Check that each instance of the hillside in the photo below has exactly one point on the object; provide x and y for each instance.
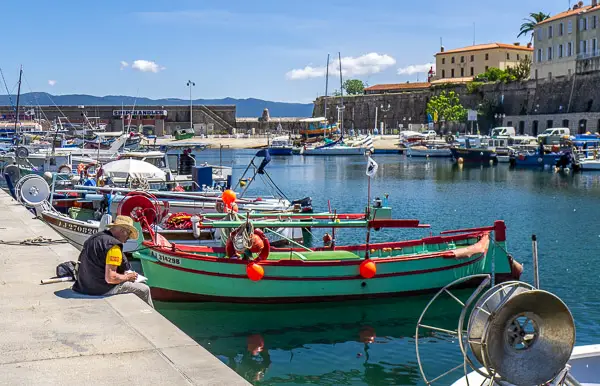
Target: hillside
(245, 107)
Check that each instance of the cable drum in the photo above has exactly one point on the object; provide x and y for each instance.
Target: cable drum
(523, 335)
(32, 190)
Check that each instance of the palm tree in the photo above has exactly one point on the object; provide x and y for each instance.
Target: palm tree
(529, 25)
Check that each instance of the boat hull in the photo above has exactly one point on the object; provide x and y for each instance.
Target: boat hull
(184, 276)
(590, 165)
(416, 152)
(335, 151)
(534, 160)
(280, 150)
(483, 156)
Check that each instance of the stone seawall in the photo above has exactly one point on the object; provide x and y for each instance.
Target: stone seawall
(573, 99)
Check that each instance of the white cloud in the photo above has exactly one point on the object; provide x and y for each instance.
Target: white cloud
(124, 64)
(371, 63)
(51, 82)
(146, 66)
(415, 69)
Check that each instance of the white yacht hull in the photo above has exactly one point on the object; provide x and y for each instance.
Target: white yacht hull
(590, 165)
(585, 368)
(336, 151)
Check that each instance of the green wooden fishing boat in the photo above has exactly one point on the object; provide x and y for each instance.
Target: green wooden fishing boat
(329, 273)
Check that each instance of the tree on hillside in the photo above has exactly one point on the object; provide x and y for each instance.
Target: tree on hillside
(354, 86)
(447, 107)
(494, 74)
(529, 24)
(521, 71)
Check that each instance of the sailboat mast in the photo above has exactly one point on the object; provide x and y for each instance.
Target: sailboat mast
(18, 99)
(326, 86)
(341, 96)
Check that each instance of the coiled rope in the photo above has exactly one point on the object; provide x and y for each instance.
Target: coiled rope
(35, 241)
(243, 237)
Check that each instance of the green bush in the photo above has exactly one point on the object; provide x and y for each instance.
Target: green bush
(473, 87)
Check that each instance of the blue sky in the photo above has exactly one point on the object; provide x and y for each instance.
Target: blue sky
(239, 48)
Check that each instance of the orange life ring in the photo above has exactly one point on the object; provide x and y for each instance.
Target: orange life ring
(262, 255)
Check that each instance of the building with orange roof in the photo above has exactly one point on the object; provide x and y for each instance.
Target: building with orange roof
(567, 43)
(468, 62)
(396, 88)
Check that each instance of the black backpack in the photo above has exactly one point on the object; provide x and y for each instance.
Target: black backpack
(67, 269)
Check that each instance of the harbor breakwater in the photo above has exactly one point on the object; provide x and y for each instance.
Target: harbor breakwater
(530, 106)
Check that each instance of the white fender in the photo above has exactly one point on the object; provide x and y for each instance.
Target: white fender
(195, 226)
(104, 221)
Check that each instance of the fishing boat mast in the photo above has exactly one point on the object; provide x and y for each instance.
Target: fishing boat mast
(341, 109)
(18, 100)
(326, 87)
(17, 114)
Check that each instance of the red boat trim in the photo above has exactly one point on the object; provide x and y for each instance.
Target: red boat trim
(323, 278)
(182, 250)
(163, 294)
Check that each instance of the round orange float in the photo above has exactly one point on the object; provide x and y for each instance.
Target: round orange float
(367, 269)
(228, 197)
(255, 272)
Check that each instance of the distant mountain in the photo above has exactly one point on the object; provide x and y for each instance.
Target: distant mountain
(245, 107)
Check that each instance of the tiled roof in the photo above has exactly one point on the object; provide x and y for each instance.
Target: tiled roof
(398, 86)
(570, 12)
(452, 80)
(489, 46)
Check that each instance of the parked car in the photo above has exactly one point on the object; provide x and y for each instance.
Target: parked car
(554, 136)
(430, 134)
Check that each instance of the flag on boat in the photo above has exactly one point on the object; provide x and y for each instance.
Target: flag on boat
(368, 143)
(371, 166)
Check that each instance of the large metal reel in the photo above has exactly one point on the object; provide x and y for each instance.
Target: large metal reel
(485, 280)
(520, 334)
(32, 190)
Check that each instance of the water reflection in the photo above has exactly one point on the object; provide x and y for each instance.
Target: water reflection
(370, 342)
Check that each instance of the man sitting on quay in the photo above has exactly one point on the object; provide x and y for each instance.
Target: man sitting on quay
(103, 269)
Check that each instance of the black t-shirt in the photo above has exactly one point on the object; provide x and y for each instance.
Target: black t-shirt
(92, 264)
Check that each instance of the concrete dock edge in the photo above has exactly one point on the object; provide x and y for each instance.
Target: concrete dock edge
(50, 335)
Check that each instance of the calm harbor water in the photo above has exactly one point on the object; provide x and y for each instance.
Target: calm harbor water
(372, 342)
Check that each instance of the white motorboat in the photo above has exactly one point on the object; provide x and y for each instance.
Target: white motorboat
(76, 232)
(338, 147)
(428, 151)
(589, 164)
(335, 150)
(281, 146)
(584, 367)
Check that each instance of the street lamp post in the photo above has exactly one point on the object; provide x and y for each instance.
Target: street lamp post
(384, 110)
(500, 117)
(190, 84)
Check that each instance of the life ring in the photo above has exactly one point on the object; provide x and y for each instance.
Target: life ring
(262, 255)
(66, 169)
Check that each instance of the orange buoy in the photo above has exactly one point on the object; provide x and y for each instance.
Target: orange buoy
(255, 272)
(256, 343)
(367, 334)
(228, 197)
(257, 244)
(367, 269)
